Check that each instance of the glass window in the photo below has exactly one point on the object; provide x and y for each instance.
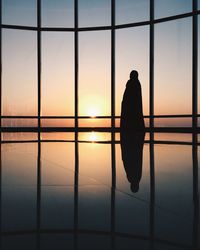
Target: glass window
(132, 52)
(19, 179)
(57, 96)
(137, 221)
(174, 191)
(57, 170)
(94, 13)
(173, 67)
(130, 11)
(94, 186)
(19, 72)
(164, 8)
(94, 73)
(59, 13)
(19, 12)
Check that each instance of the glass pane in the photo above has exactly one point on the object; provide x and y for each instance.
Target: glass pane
(165, 8)
(94, 13)
(57, 184)
(59, 13)
(130, 11)
(93, 241)
(58, 136)
(57, 122)
(22, 242)
(94, 73)
(19, 178)
(94, 122)
(57, 164)
(173, 137)
(19, 72)
(132, 52)
(61, 241)
(129, 170)
(174, 192)
(20, 12)
(11, 122)
(94, 186)
(19, 136)
(173, 67)
(198, 4)
(57, 73)
(173, 122)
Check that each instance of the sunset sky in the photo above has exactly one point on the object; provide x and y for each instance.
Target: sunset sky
(173, 57)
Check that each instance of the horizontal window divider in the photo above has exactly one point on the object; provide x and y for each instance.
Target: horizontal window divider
(118, 26)
(95, 117)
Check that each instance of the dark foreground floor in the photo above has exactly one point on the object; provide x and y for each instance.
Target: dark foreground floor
(72, 191)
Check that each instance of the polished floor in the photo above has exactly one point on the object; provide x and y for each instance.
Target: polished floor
(89, 191)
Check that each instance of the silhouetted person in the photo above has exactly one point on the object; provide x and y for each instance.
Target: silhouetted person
(132, 154)
(131, 108)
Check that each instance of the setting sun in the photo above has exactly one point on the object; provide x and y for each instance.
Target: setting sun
(93, 112)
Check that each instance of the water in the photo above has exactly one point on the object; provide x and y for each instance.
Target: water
(65, 194)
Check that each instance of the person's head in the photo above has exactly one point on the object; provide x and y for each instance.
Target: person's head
(134, 187)
(134, 75)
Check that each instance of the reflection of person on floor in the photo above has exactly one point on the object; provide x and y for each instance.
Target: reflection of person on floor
(131, 108)
(132, 155)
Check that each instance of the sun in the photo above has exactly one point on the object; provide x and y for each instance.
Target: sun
(93, 112)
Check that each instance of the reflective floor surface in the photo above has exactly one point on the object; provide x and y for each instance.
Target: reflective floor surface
(89, 191)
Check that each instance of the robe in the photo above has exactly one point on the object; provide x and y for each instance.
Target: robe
(131, 108)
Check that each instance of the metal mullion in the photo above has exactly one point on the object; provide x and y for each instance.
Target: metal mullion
(113, 156)
(76, 62)
(76, 172)
(39, 60)
(151, 65)
(194, 65)
(113, 64)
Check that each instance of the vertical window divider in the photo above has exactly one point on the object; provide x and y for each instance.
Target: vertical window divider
(76, 63)
(39, 122)
(39, 61)
(113, 155)
(76, 171)
(113, 64)
(194, 65)
(151, 65)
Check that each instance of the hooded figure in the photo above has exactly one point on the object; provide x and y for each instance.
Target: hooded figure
(131, 109)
